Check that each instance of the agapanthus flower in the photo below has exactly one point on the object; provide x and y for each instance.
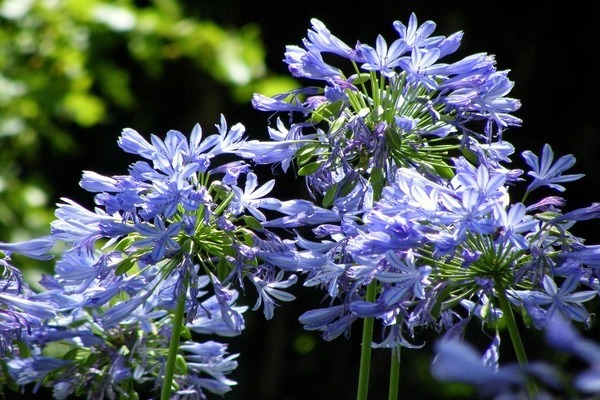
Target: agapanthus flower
(126, 356)
(565, 302)
(437, 247)
(21, 312)
(480, 371)
(458, 361)
(385, 118)
(547, 173)
(179, 208)
(405, 157)
(564, 337)
(158, 242)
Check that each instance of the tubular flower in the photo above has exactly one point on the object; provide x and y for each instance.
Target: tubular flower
(159, 251)
(406, 155)
(394, 106)
(21, 311)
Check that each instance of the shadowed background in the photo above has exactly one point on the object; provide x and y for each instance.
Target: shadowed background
(547, 49)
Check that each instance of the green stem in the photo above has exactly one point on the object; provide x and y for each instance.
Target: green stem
(394, 374)
(515, 338)
(174, 345)
(368, 323)
(365, 352)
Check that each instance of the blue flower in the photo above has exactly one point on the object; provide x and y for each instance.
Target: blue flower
(38, 249)
(381, 58)
(320, 39)
(563, 302)
(310, 64)
(514, 222)
(251, 199)
(331, 321)
(417, 36)
(269, 289)
(581, 214)
(83, 228)
(208, 365)
(564, 337)
(281, 149)
(286, 102)
(458, 361)
(34, 369)
(418, 66)
(231, 316)
(21, 311)
(545, 173)
(209, 320)
(403, 272)
(159, 238)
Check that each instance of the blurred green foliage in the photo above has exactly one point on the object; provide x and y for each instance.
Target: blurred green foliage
(66, 65)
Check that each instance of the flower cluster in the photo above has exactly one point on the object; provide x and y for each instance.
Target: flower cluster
(163, 248)
(408, 153)
(411, 223)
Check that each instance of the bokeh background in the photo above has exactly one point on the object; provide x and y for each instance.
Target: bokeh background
(74, 73)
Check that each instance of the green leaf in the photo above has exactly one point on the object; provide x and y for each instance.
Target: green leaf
(310, 168)
(470, 155)
(305, 153)
(359, 79)
(91, 360)
(24, 350)
(181, 365)
(306, 150)
(6, 378)
(124, 244)
(443, 170)
(185, 332)
(547, 215)
(485, 311)
(393, 138)
(252, 223)
(443, 295)
(377, 182)
(348, 186)
(337, 124)
(326, 111)
(70, 355)
(339, 189)
(80, 391)
(223, 269)
(124, 266)
(330, 195)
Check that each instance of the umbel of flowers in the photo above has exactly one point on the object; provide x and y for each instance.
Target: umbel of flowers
(412, 220)
(151, 265)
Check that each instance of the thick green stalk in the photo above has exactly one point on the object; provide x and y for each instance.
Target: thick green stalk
(394, 374)
(174, 345)
(365, 352)
(377, 182)
(515, 338)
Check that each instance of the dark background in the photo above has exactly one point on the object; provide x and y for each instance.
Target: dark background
(551, 53)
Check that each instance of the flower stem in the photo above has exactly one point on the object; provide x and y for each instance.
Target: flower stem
(515, 338)
(174, 345)
(365, 353)
(394, 374)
